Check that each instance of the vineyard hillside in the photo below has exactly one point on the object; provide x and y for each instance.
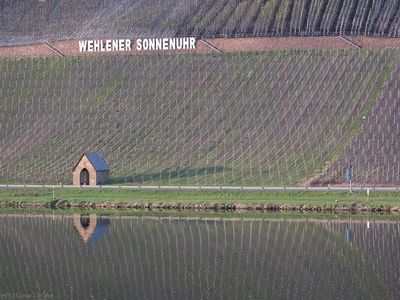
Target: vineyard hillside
(35, 21)
(272, 118)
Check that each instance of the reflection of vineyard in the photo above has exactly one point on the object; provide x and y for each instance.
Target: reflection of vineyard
(380, 245)
(244, 119)
(29, 21)
(185, 259)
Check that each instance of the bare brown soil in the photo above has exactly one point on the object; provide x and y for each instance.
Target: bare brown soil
(70, 48)
(376, 42)
(279, 43)
(40, 50)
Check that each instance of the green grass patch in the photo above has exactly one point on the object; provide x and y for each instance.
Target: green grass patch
(201, 197)
(106, 90)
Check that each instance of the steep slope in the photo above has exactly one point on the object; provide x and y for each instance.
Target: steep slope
(374, 151)
(32, 21)
(245, 119)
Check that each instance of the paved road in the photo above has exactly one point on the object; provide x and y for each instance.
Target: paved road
(208, 188)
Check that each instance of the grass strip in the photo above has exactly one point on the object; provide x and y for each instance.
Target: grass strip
(293, 198)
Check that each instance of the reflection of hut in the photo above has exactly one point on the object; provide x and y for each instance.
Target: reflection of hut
(91, 169)
(90, 227)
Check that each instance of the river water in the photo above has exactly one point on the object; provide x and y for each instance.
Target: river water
(92, 257)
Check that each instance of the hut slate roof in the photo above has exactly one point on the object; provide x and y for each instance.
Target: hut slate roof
(97, 161)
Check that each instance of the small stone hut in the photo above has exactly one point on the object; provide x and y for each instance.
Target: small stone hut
(91, 170)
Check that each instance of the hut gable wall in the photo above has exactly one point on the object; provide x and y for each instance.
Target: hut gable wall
(85, 163)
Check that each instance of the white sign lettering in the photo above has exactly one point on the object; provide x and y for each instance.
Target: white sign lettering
(150, 44)
(104, 45)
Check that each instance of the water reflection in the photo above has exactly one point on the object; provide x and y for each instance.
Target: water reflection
(155, 258)
(349, 233)
(90, 228)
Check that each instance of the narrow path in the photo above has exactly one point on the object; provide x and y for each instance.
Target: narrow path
(205, 42)
(349, 41)
(207, 188)
(56, 51)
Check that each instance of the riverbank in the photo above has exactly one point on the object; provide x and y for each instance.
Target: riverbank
(202, 200)
(202, 215)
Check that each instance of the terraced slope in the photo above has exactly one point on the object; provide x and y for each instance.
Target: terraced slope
(33, 21)
(272, 118)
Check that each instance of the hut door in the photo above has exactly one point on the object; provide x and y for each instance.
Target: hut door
(84, 177)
